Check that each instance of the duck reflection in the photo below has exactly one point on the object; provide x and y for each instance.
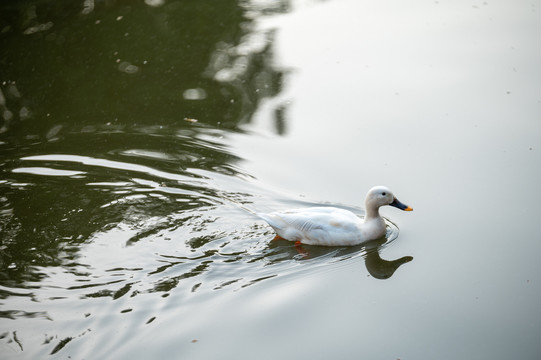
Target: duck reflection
(377, 267)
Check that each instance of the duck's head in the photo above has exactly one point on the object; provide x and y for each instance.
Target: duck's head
(380, 195)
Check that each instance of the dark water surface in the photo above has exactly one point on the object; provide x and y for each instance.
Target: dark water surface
(138, 138)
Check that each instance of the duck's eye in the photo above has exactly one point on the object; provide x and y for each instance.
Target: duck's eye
(383, 193)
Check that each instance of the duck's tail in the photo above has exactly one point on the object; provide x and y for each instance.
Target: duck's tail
(270, 220)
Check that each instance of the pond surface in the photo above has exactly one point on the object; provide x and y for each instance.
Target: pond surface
(137, 139)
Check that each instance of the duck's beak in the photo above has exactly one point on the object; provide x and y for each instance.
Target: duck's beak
(398, 204)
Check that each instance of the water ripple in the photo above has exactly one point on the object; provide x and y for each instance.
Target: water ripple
(121, 236)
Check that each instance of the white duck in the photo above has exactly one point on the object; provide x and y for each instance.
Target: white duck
(330, 226)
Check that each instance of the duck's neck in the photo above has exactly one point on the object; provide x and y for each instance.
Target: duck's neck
(372, 213)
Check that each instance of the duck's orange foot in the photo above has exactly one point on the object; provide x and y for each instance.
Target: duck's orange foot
(278, 237)
(300, 250)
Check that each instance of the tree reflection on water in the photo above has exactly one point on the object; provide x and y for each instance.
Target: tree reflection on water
(112, 80)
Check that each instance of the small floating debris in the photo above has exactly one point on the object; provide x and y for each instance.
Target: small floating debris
(194, 94)
(190, 120)
(127, 68)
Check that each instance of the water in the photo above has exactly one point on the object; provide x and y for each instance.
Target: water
(136, 139)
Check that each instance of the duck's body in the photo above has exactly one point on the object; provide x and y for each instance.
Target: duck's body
(331, 226)
(327, 226)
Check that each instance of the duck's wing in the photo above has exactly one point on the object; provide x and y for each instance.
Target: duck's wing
(284, 220)
(306, 221)
(301, 222)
